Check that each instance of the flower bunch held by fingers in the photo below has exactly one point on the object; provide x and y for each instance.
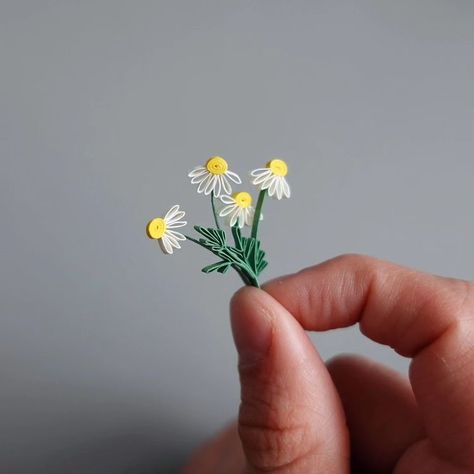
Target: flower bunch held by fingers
(245, 255)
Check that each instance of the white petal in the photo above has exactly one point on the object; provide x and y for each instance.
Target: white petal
(241, 219)
(260, 179)
(176, 224)
(218, 186)
(172, 212)
(227, 199)
(176, 235)
(165, 245)
(227, 210)
(203, 183)
(260, 171)
(197, 171)
(210, 185)
(200, 178)
(173, 241)
(272, 188)
(279, 189)
(249, 216)
(268, 182)
(234, 217)
(178, 216)
(226, 185)
(286, 188)
(233, 177)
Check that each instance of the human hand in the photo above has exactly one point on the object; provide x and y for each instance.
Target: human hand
(299, 415)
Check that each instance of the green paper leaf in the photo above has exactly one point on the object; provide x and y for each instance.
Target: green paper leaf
(237, 234)
(216, 236)
(246, 257)
(261, 266)
(220, 267)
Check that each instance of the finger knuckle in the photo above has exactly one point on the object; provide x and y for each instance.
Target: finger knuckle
(354, 260)
(272, 437)
(270, 448)
(464, 306)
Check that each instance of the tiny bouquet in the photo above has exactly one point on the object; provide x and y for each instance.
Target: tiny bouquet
(235, 210)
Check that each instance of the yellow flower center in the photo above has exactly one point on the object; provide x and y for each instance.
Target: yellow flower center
(216, 165)
(156, 228)
(242, 199)
(278, 167)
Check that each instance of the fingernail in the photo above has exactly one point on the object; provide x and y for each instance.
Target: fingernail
(252, 326)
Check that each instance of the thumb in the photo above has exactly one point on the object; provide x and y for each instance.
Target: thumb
(290, 418)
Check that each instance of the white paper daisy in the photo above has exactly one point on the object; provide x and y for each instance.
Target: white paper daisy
(272, 178)
(160, 229)
(214, 177)
(239, 209)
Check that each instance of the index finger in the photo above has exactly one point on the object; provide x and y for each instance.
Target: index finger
(426, 317)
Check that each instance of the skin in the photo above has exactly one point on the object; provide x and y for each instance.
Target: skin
(301, 415)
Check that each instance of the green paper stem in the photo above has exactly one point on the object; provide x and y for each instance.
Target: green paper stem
(194, 240)
(243, 276)
(216, 219)
(258, 212)
(254, 282)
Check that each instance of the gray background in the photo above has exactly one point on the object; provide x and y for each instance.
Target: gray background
(116, 359)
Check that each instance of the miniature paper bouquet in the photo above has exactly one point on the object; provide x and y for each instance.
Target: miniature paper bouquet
(233, 209)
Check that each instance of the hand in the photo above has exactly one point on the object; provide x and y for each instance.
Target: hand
(299, 415)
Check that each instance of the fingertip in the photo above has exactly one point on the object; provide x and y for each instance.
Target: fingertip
(252, 324)
(245, 302)
(241, 295)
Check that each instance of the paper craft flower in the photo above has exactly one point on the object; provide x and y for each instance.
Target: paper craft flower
(272, 178)
(239, 209)
(160, 229)
(214, 177)
(244, 254)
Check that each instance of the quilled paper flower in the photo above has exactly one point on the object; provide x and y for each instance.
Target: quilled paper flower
(233, 250)
(214, 177)
(160, 229)
(239, 210)
(272, 178)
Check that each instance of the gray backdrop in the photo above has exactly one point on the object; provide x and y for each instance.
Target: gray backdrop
(116, 359)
